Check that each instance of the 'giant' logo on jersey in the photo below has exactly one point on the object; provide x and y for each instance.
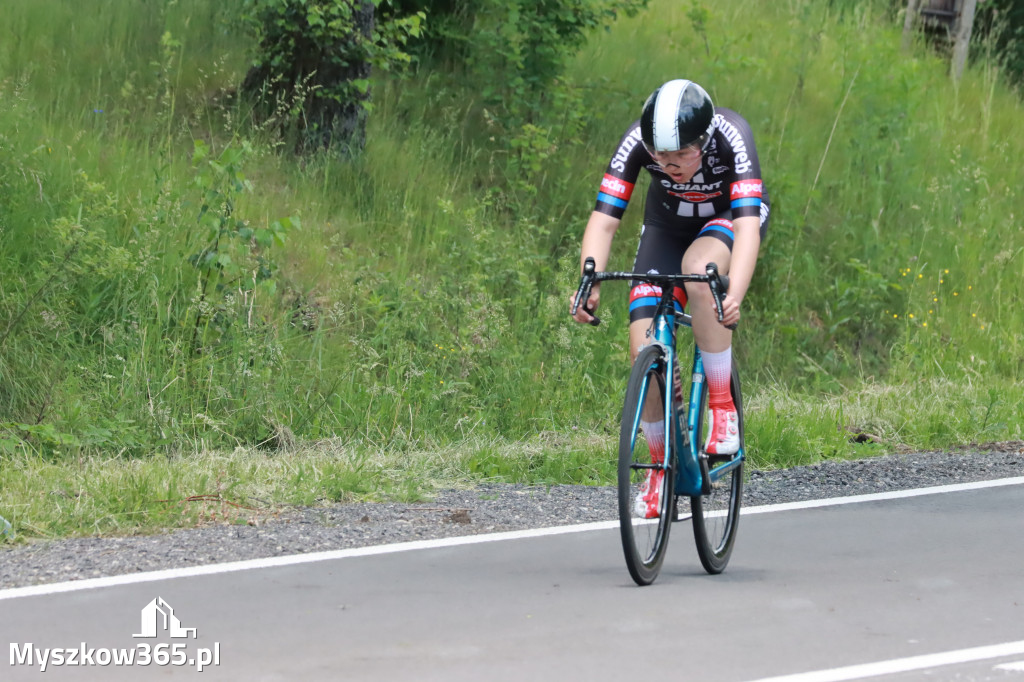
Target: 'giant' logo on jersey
(692, 186)
(694, 192)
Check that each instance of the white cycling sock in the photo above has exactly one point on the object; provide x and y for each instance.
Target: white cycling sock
(654, 433)
(718, 368)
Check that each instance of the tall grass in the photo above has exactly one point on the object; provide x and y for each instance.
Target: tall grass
(418, 302)
(876, 163)
(895, 244)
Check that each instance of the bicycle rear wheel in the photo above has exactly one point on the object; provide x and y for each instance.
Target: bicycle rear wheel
(717, 513)
(644, 541)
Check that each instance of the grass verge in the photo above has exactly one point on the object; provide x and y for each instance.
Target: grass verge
(95, 495)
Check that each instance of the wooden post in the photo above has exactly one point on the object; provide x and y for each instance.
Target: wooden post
(962, 40)
(909, 21)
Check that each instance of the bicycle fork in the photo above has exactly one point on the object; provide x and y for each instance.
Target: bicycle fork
(681, 452)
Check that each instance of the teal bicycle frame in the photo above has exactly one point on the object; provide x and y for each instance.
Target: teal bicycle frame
(693, 474)
(689, 471)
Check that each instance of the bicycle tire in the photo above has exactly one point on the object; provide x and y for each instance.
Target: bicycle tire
(716, 514)
(644, 541)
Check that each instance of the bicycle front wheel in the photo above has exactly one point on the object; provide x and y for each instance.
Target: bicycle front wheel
(716, 514)
(644, 540)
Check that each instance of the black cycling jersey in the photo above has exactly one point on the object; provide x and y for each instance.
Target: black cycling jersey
(728, 184)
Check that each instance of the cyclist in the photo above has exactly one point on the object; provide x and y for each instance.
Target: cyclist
(706, 203)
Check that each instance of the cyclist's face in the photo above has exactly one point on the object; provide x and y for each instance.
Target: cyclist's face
(680, 165)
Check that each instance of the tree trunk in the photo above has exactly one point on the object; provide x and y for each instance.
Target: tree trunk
(910, 21)
(964, 27)
(330, 123)
(324, 122)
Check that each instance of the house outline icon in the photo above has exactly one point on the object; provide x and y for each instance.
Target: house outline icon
(158, 615)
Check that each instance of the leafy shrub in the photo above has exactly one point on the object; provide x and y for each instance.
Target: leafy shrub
(311, 72)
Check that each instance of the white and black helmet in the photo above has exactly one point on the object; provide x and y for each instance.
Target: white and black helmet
(677, 115)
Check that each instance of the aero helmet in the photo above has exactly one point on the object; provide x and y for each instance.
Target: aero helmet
(677, 115)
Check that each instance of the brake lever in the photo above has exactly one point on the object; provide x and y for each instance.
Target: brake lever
(719, 285)
(583, 292)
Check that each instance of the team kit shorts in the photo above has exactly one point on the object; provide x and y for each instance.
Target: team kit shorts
(661, 250)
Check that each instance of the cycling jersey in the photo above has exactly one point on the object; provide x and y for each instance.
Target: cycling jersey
(728, 184)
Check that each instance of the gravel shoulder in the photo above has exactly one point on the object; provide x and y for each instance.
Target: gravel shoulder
(487, 508)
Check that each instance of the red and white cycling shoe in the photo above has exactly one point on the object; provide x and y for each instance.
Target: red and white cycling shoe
(648, 500)
(724, 438)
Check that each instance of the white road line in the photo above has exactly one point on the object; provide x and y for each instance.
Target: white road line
(874, 497)
(1016, 666)
(902, 665)
(294, 559)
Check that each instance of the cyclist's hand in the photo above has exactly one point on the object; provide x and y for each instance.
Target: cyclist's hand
(730, 310)
(582, 316)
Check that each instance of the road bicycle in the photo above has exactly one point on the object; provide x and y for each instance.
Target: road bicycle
(713, 483)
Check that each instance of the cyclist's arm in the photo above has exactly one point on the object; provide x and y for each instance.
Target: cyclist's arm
(746, 191)
(597, 239)
(597, 244)
(746, 244)
(612, 199)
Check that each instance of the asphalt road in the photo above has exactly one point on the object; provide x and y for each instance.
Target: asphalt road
(809, 593)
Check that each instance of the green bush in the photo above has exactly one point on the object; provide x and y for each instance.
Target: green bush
(311, 72)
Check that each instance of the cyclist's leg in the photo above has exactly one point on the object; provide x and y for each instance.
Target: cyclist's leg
(714, 245)
(659, 251)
